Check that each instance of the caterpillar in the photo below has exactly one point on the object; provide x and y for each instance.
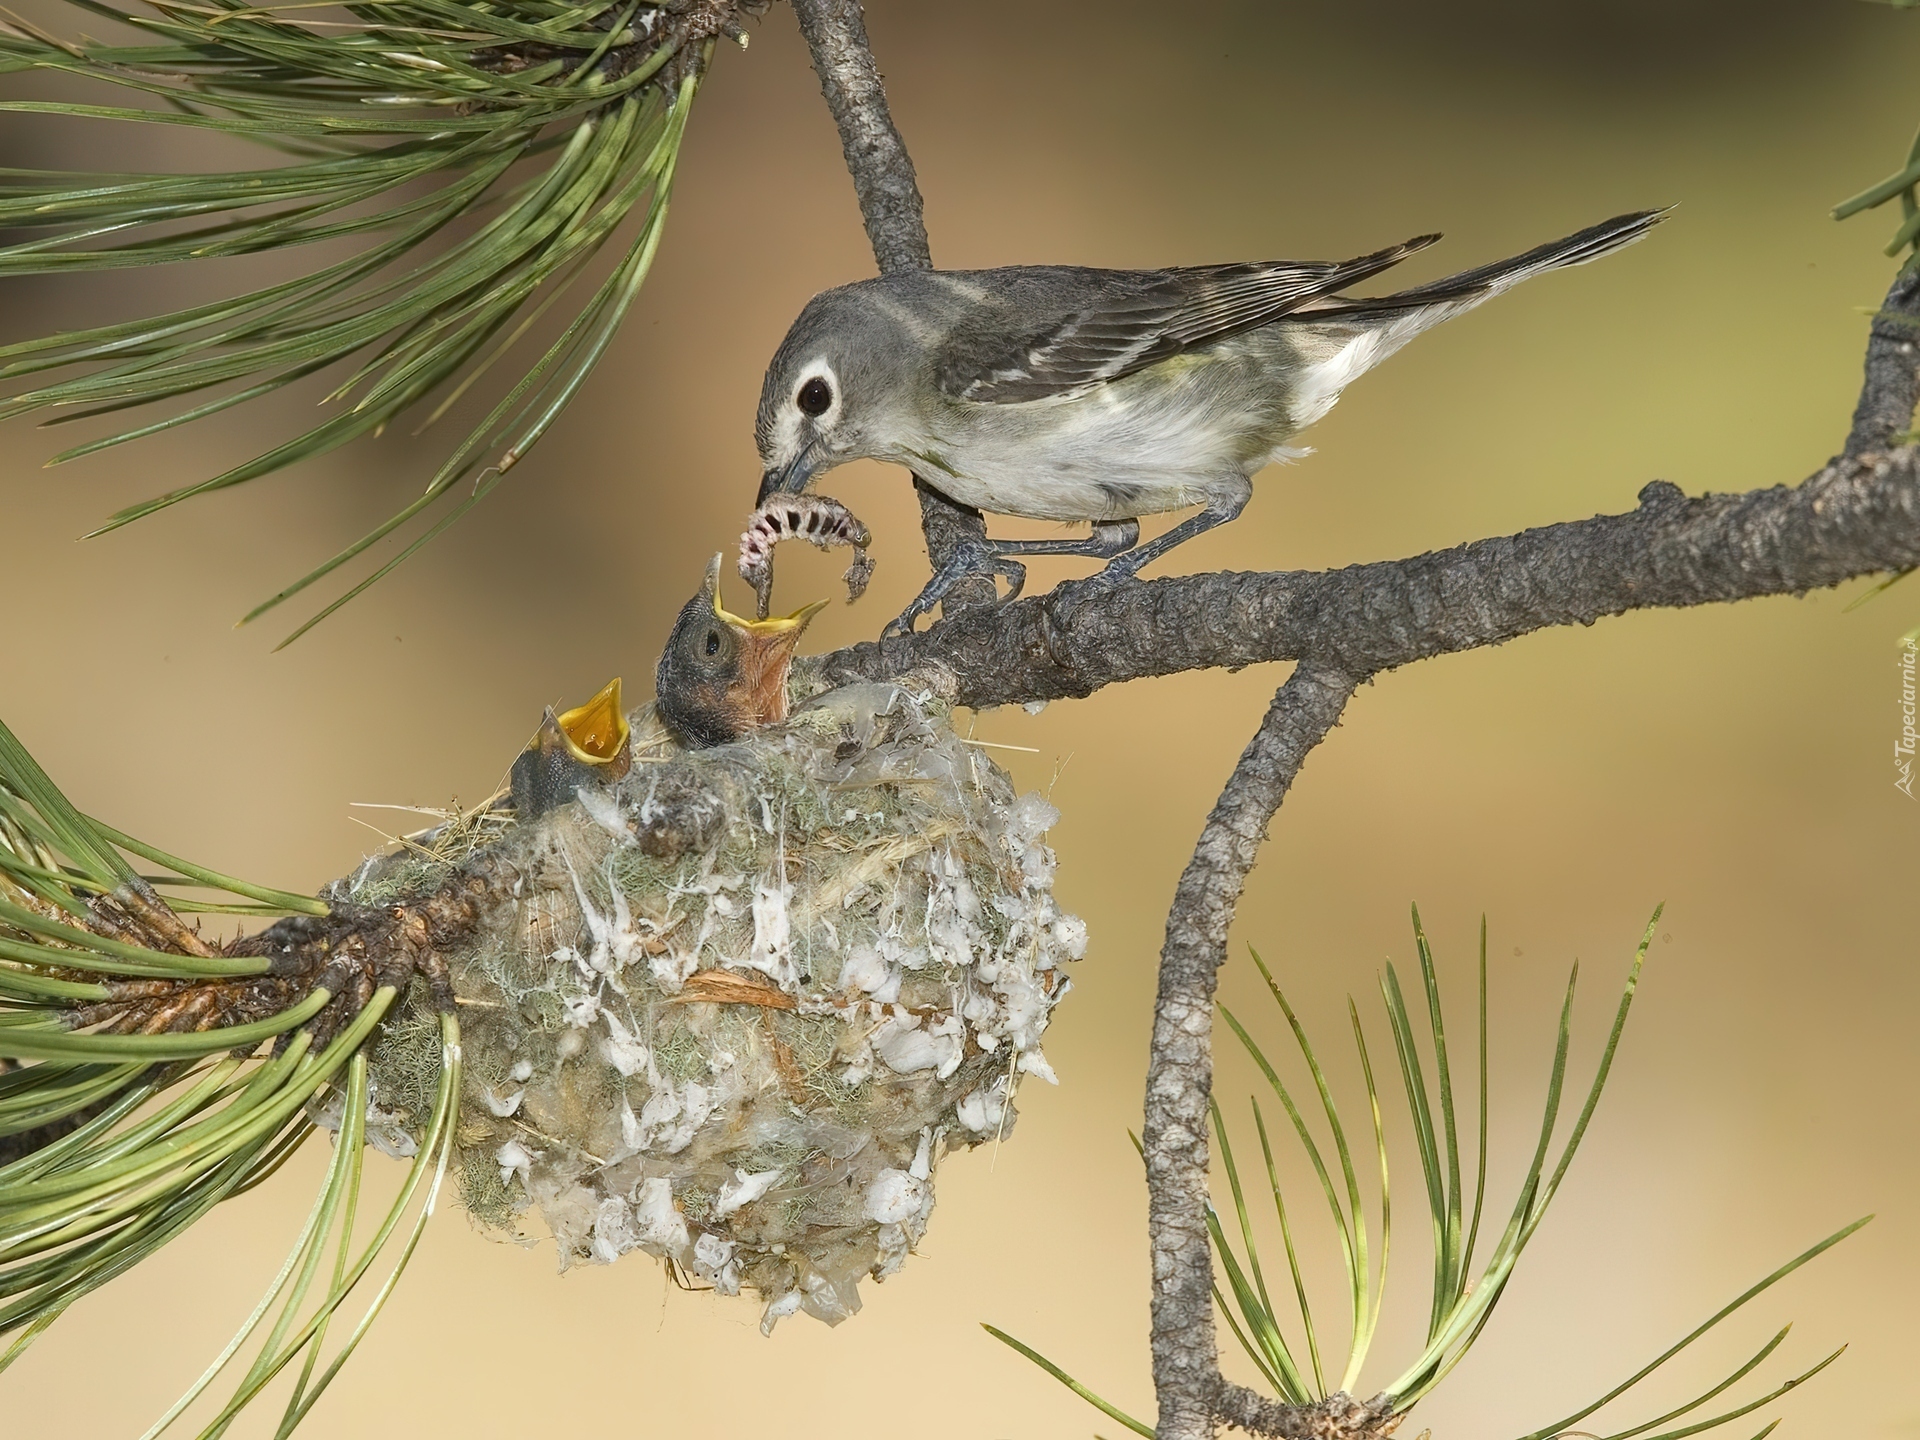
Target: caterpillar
(819, 519)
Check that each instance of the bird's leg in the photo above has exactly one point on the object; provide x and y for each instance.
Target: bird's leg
(1127, 564)
(994, 557)
(1109, 538)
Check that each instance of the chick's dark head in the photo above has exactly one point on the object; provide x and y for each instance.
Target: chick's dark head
(591, 742)
(722, 677)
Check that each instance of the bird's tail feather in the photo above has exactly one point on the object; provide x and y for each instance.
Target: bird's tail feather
(1485, 281)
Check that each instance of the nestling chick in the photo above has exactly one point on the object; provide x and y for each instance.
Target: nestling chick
(591, 743)
(721, 676)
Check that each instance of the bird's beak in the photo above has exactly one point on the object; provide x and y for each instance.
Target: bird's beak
(766, 653)
(597, 733)
(784, 629)
(793, 477)
(590, 742)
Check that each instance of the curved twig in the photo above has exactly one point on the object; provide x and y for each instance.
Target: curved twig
(877, 159)
(1186, 1367)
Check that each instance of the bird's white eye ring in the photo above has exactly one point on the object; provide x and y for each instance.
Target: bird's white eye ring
(815, 397)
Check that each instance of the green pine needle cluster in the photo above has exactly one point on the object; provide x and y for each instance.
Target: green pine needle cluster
(1903, 185)
(472, 160)
(1299, 1368)
(121, 1141)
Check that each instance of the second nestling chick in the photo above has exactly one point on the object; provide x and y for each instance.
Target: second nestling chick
(721, 676)
(590, 743)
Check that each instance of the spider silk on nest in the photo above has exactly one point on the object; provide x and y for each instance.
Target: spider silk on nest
(740, 1001)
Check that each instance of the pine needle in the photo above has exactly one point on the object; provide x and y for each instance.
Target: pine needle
(1459, 1304)
(476, 160)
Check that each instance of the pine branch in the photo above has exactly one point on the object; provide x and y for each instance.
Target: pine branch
(479, 162)
(1186, 1366)
(889, 195)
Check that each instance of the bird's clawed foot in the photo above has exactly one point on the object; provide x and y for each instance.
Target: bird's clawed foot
(1121, 570)
(972, 558)
(1112, 540)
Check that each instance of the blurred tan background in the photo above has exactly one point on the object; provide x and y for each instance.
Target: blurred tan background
(1735, 763)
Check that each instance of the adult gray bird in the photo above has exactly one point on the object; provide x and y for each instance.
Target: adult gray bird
(1056, 392)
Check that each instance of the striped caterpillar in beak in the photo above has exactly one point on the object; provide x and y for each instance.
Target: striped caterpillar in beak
(817, 518)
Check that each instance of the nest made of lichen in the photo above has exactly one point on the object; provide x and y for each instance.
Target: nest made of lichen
(744, 999)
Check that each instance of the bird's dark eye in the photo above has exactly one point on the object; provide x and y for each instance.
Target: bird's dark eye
(815, 397)
(713, 642)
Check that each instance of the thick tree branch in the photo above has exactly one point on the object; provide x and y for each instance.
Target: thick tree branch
(889, 195)
(1186, 1372)
(1857, 516)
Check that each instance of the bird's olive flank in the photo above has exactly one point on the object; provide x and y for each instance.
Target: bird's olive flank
(934, 461)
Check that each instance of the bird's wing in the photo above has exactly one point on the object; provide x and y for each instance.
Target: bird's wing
(1051, 331)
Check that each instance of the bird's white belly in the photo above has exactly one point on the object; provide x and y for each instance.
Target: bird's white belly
(1106, 455)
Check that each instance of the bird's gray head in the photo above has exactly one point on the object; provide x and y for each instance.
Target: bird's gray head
(840, 386)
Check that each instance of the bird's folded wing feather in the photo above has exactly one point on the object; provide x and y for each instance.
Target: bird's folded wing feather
(1050, 331)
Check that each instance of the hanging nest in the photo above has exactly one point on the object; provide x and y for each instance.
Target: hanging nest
(733, 1006)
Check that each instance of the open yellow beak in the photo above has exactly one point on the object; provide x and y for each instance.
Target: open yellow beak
(776, 625)
(589, 742)
(597, 733)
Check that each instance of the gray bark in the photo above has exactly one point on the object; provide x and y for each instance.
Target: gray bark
(1186, 1364)
(1892, 387)
(889, 193)
(877, 159)
(1858, 515)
